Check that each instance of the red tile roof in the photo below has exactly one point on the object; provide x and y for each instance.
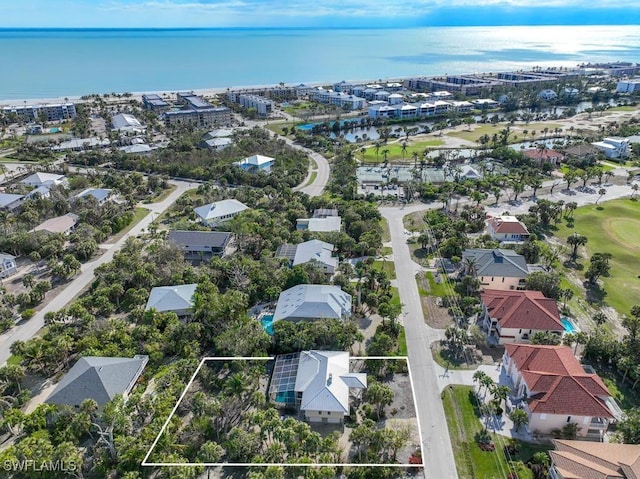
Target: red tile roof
(557, 382)
(499, 225)
(523, 310)
(546, 154)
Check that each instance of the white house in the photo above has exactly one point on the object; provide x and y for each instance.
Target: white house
(8, 265)
(507, 228)
(317, 252)
(554, 389)
(547, 95)
(515, 316)
(44, 179)
(177, 299)
(614, 148)
(323, 383)
(308, 302)
(99, 194)
(256, 163)
(219, 212)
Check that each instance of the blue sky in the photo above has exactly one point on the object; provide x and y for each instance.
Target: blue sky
(305, 13)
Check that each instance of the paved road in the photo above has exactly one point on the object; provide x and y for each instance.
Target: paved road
(439, 462)
(31, 327)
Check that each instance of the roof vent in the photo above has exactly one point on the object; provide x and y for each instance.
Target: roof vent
(329, 379)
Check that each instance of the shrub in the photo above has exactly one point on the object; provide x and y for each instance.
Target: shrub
(28, 313)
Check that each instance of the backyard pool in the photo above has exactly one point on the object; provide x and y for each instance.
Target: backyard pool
(267, 323)
(569, 327)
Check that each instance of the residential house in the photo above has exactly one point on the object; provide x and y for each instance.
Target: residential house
(507, 228)
(217, 143)
(594, 460)
(137, 149)
(501, 269)
(81, 144)
(614, 148)
(314, 251)
(44, 179)
(10, 202)
(8, 265)
(324, 219)
(220, 133)
(554, 389)
(218, 212)
(546, 155)
(256, 163)
(101, 195)
(515, 316)
(176, 299)
(98, 378)
(547, 95)
(308, 302)
(200, 245)
(318, 383)
(64, 224)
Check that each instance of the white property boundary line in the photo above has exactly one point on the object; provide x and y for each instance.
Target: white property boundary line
(266, 464)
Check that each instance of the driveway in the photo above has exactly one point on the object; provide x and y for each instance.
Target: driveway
(30, 328)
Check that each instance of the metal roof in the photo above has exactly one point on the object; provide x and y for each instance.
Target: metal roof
(99, 194)
(186, 239)
(220, 209)
(40, 178)
(98, 378)
(171, 298)
(7, 198)
(313, 301)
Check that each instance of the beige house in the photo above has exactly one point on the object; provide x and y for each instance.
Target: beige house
(507, 228)
(594, 460)
(501, 269)
(555, 390)
(515, 316)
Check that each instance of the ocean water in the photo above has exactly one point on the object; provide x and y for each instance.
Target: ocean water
(57, 63)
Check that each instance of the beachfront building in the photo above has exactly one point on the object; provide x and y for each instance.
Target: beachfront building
(318, 384)
(8, 265)
(614, 148)
(256, 163)
(155, 103)
(218, 212)
(47, 112)
(628, 86)
(197, 111)
(507, 228)
(340, 99)
(316, 252)
(311, 302)
(554, 389)
(516, 316)
(98, 378)
(262, 105)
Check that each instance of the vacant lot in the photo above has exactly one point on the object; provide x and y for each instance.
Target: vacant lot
(394, 151)
(613, 227)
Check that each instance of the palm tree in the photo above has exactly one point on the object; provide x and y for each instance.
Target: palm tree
(403, 149)
(501, 393)
(601, 193)
(576, 240)
(385, 154)
(634, 187)
(519, 418)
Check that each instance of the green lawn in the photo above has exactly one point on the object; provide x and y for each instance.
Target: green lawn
(14, 360)
(386, 234)
(626, 397)
(395, 151)
(414, 221)
(472, 462)
(312, 178)
(517, 132)
(623, 108)
(402, 343)
(435, 289)
(615, 229)
(387, 266)
(395, 299)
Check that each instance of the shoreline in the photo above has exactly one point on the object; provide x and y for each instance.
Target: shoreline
(210, 91)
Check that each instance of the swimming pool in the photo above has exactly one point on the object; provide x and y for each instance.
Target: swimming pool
(267, 323)
(569, 327)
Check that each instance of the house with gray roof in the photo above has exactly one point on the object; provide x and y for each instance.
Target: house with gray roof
(501, 269)
(99, 194)
(314, 251)
(8, 265)
(220, 211)
(176, 299)
(318, 383)
(10, 202)
(200, 245)
(310, 302)
(326, 224)
(98, 378)
(44, 179)
(64, 224)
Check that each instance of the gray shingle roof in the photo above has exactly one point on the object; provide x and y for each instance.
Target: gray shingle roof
(498, 262)
(98, 378)
(213, 239)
